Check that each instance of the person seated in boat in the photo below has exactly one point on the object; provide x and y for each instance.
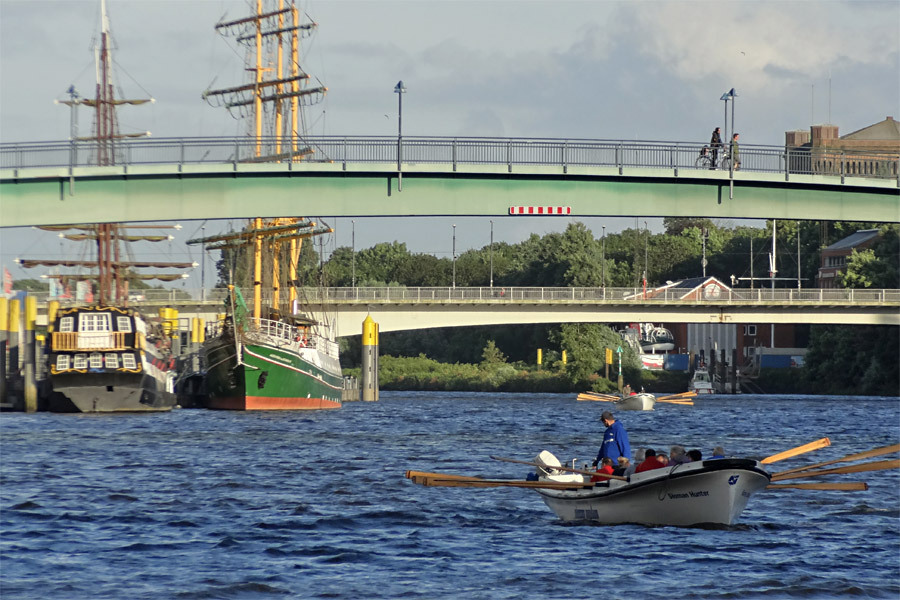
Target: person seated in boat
(663, 459)
(677, 456)
(615, 440)
(696, 455)
(606, 468)
(718, 452)
(650, 462)
(624, 463)
(632, 465)
(626, 391)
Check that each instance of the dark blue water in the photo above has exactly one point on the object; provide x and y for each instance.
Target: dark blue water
(201, 504)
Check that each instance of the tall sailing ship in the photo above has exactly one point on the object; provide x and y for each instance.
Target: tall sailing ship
(274, 355)
(104, 356)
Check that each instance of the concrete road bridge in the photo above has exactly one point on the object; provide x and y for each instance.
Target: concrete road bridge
(406, 308)
(55, 183)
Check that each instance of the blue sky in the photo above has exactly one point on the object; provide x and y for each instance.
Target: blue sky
(579, 69)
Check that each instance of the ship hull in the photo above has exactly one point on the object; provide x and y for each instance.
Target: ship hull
(109, 392)
(269, 378)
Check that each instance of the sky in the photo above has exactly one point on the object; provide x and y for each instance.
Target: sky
(634, 70)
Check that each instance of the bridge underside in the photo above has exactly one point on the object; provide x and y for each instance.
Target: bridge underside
(191, 192)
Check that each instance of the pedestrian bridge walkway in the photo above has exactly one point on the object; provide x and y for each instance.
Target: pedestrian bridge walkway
(50, 183)
(406, 308)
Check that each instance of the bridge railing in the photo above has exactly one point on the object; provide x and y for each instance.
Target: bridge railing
(453, 152)
(215, 298)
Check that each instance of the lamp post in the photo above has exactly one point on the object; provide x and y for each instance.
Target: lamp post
(353, 253)
(646, 254)
(454, 256)
(729, 95)
(492, 253)
(399, 89)
(603, 261)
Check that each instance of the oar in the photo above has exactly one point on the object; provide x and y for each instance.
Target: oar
(798, 450)
(850, 486)
(681, 402)
(878, 465)
(560, 468)
(594, 396)
(849, 458)
(682, 395)
(448, 480)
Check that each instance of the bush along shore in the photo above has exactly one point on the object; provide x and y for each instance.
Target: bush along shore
(424, 374)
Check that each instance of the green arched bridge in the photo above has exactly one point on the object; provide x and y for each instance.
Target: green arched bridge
(54, 183)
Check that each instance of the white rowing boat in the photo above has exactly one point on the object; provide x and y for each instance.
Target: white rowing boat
(642, 401)
(709, 491)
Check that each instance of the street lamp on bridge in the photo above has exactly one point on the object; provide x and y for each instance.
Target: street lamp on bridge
(729, 95)
(399, 89)
(454, 256)
(492, 253)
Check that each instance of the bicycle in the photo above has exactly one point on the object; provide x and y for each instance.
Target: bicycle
(706, 159)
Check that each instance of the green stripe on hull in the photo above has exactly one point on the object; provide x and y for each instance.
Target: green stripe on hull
(267, 373)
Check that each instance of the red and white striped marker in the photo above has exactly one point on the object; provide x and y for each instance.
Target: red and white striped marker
(540, 210)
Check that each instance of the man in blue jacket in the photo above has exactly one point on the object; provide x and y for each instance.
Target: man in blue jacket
(615, 440)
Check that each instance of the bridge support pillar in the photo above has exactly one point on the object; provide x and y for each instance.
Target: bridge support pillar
(369, 370)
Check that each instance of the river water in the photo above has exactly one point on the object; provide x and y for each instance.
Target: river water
(197, 504)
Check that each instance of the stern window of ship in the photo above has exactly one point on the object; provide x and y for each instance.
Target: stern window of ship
(62, 362)
(81, 361)
(112, 360)
(94, 322)
(66, 324)
(128, 361)
(123, 324)
(96, 361)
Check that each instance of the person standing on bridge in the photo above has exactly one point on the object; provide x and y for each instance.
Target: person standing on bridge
(715, 144)
(735, 152)
(615, 440)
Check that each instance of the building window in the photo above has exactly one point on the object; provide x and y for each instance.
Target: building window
(750, 330)
(112, 360)
(96, 361)
(128, 361)
(62, 362)
(123, 324)
(66, 324)
(81, 361)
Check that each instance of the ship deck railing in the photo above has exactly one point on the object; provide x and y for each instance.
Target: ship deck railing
(88, 340)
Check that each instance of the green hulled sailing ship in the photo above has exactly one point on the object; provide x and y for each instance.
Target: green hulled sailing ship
(274, 354)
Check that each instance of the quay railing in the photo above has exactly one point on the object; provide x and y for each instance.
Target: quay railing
(456, 153)
(215, 298)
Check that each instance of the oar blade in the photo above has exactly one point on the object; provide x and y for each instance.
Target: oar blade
(847, 486)
(816, 445)
(878, 465)
(849, 458)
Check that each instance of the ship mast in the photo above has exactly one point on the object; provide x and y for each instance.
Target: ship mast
(273, 99)
(272, 102)
(111, 269)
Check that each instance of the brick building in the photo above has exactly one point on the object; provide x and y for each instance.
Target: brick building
(834, 257)
(821, 151)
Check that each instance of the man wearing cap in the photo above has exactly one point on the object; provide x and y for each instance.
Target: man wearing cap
(615, 440)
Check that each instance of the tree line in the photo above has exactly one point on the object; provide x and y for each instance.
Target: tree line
(841, 359)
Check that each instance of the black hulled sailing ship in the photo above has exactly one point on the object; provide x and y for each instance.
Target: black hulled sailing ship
(104, 356)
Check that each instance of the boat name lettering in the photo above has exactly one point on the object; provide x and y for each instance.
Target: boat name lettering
(698, 494)
(279, 359)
